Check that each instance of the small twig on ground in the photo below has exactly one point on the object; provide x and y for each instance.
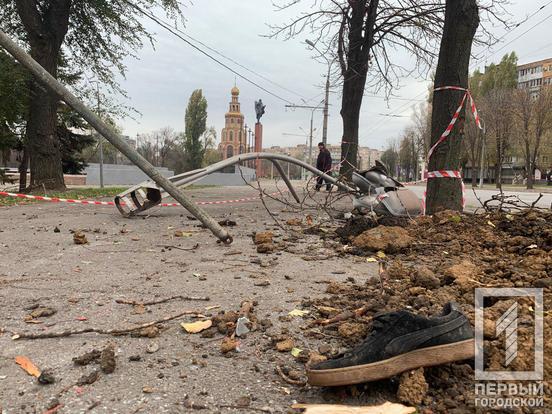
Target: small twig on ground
(288, 379)
(101, 331)
(536, 201)
(242, 408)
(340, 317)
(170, 246)
(155, 302)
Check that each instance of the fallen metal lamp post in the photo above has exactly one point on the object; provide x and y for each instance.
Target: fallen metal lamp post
(146, 195)
(64, 94)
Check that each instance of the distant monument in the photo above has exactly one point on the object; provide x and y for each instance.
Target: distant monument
(259, 109)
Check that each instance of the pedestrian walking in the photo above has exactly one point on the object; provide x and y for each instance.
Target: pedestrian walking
(323, 163)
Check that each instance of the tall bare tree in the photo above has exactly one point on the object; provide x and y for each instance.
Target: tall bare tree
(533, 116)
(363, 36)
(461, 22)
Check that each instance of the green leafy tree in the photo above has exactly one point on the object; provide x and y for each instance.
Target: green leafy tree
(13, 105)
(195, 127)
(97, 36)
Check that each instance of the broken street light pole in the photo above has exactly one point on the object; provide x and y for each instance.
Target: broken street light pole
(64, 94)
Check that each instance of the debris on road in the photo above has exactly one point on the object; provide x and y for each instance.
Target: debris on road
(27, 365)
(107, 359)
(79, 238)
(87, 358)
(196, 327)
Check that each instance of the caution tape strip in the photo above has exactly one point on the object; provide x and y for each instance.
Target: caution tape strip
(443, 137)
(111, 203)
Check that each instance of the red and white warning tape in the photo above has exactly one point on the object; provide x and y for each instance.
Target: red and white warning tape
(443, 137)
(444, 174)
(111, 203)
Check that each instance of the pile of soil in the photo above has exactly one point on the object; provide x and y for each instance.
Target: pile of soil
(450, 254)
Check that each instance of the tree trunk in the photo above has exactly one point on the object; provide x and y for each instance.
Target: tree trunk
(461, 22)
(42, 141)
(528, 164)
(46, 26)
(499, 159)
(354, 68)
(23, 166)
(353, 90)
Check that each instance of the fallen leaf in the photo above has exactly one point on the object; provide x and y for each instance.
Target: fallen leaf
(309, 220)
(81, 318)
(371, 260)
(27, 365)
(298, 312)
(533, 246)
(180, 233)
(147, 390)
(490, 223)
(196, 327)
(380, 254)
(386, 408)
(295, 352)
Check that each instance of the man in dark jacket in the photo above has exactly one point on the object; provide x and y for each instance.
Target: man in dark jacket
(323, 163)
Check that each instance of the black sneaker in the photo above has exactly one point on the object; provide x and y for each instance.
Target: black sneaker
(400, 341)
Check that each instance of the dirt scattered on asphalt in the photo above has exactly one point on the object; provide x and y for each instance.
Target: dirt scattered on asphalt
(446, 257)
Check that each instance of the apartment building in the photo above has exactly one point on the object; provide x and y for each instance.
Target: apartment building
(534, 75)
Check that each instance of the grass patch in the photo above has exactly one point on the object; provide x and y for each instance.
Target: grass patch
(85, 193)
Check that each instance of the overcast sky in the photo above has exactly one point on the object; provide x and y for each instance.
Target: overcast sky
(159, 84)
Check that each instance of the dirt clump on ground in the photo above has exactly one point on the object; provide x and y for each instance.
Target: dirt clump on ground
(413, 387)
(391, 239)
(447, 256)
(107, 359)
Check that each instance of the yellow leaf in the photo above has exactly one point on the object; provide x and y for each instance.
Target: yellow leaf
(180, 233)
(27, 365)
(298, 312)
(295, 352)
(490, 223)
(380, 254)
(371, 260)
(196, 327)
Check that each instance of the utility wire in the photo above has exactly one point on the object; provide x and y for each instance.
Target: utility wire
(183, 33)
(394, 113)
(524, 33)
(170, 29)
(477, 61)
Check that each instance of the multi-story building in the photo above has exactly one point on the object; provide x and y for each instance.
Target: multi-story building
(534, 75)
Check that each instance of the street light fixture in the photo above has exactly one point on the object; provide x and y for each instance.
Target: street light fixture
(327, 96)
